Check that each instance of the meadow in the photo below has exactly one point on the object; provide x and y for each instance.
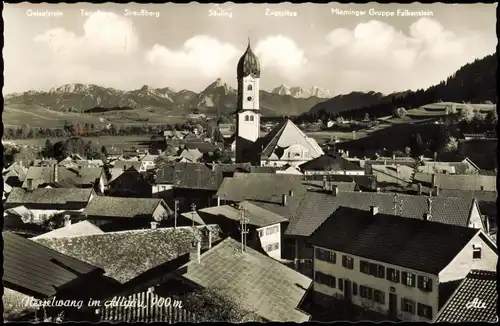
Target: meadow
(108, 141)
(439, 109)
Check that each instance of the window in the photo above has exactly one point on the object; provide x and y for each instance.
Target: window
(424, 311)
(354, 289)
(425, 283)
(261, 233)
(307, 245)
(393, 275)
(379, 296)
(249, 98)
(269, 248)
(347, 262)
(408, 306)
(247, 118)
(325, 255)
(380, 271)
(408, 279)
(365, 292)
(476, 252)
(324, 279)
(272, 230)
(249, 87)
(276, 246)
(251, 118)
(341, 284)
(364, 267)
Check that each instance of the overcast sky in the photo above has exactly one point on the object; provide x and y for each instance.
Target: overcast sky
(186, 48)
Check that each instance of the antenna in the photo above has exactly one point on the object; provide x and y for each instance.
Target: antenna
(176, 209)
(395, 203)
(244, 230)
(193, 211)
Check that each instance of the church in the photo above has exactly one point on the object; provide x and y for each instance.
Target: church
(284, 145)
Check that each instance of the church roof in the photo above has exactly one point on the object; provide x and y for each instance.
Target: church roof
(248, 64)
(285, 135)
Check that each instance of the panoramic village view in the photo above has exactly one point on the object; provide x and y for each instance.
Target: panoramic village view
(134, 192)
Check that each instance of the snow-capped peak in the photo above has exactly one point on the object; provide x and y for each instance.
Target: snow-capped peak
(299, 92)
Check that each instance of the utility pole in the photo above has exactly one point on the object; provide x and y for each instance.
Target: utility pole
(244, 230)
(429, 202)
(176, 209)
(395, 204)
(193, 211)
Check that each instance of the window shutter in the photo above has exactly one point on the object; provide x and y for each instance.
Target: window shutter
(429, 285)
(397, 276)
(403, 307)
(413, 280)
(420, 281)
(404, 276)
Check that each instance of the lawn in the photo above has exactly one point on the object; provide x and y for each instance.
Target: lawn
(439, 109)
(108, 141)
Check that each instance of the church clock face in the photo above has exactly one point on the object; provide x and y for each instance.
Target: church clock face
(249, 98)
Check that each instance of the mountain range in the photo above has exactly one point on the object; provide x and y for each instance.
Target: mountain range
(216, 98)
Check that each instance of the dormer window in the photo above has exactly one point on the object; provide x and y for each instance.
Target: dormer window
(249, 88)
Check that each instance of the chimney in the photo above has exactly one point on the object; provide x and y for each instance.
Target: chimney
(218, 200)
(29, 184)
(374, 210)
(284, 199)
(393, 157)
(290, 193)
(436, 190)
(154, 225)
(433, 180)
(347, 153)
(56, 174)
(398, 168)
(67, 220)
(378, 189)
(325, 183)
(209, 235)
(427, 216)
(195, 250)
(419, 185)
(335, 190)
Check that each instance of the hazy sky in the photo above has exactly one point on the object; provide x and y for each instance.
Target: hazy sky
(183, 47)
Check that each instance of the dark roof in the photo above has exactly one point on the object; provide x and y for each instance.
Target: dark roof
(123, 206)
(260, 283)
(367, 182)
(330, 162)
(490, 196)
(56, 196)
(316, 207)
(254, 214)
(478, 284)
(469, 182)
(203, 147)
(406, 241)
(127, 254)
(258, 186)
(248, 64)
(66, 177)
(36, 270)
(263, 169)
(190, 176)
(127, 164)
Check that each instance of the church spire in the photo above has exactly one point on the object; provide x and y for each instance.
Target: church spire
(249, 43)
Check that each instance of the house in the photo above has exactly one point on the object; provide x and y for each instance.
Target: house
(288, 169)
(226, 129)
(393, 174)
(15, 174)
(71, 230)
(363, 182)
(128, 183)
(137, 259)
(315, 206)
(458, 181)
(192, 155)
(259, 283)
(264, 227)
(148, 161)
(466, 166)
(32, 271)
(479, 151)
(477, 293)
(6, 191)
(61, 177)
(45, 162)
(405, 276)
(120, 213)
(44, 203)
(331, 164)
(125, 165)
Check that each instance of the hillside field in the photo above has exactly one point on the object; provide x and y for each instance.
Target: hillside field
(109, 141)
(15, 115)
(439, 109)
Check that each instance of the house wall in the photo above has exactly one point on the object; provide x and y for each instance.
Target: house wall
(161, 187)
(160, 213)
(283, 162)
(384, 285)
(333, 172)
(475, 219)
(463, 262)
(40, 214)
(271, 239)
(102, 184)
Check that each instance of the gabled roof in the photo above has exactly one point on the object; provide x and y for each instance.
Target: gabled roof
(406, 242)
(254, 215)
(262, 284)
(190, 176)
(330, 162)
(77, 229)
(127, 254)
(56, 196)
(191, 154)
(478, 284)
(368, 181)
(36, 270)
(203, 147)
(316, 207)
(66, 177)
(459, 181)
(127, 164)
(16, 169)
(123, 207)
(285, 135)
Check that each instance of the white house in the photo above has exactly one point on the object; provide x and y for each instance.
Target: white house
(398, 267)
(331, 164)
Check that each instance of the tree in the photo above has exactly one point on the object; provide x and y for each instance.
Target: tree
(451, 109)
(492, 117)
(367, 117)
(218, 305)
(223, 119)
(451, 145)
(407, 151)
(478, 116)
(417, 145)
(399, 113)
(48, 149)
(467, 113)
(104, 150)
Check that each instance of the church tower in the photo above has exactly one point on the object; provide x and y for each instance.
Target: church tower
(248, 111)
